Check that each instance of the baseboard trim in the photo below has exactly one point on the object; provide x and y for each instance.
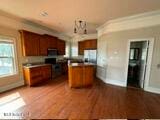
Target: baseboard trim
(152, 89)
(112, 82)
(100, 77)
(11, 86)
(122, 84)
(115, 82)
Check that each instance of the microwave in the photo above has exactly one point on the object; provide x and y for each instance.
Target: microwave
(52, 52)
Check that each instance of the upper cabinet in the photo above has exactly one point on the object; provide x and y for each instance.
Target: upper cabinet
(81, 47)
(51, 40)
(37, 45)
(46, 42)
(91, 44)
(86, 45)
(61, 47)
(30, 43)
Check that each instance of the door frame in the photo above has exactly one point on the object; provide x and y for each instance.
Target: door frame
(149, 59)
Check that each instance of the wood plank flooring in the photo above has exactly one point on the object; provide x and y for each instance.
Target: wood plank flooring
(55, 99)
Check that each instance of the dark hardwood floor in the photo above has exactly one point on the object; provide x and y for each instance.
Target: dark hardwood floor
(56, 100)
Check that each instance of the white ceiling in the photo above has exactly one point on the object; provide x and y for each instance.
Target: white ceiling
(63, 13)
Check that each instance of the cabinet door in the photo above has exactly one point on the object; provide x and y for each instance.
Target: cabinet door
(87, 45)
(52, 42)
(30, 43)
(93, 44)
(88, 76)
(61, 47)
(35, 75)
(90, 44)
(44, 45)
(47, 42)
(81, 48)
(75, 76)
(46, 72)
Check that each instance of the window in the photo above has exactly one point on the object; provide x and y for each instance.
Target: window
(7, 58)
(74, 49)
(67, 50)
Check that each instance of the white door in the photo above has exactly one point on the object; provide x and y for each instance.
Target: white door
(143, 65)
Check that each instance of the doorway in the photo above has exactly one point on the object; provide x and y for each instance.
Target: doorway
(139, 63)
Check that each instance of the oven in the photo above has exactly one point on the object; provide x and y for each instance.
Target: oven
(56, 68)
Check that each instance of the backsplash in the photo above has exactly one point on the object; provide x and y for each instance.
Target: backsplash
(38, 59)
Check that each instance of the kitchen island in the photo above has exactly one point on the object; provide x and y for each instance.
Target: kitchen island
(80, 74)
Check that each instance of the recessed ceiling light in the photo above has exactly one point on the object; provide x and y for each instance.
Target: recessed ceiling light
(44, 14)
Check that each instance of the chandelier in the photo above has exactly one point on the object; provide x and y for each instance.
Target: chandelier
(80, 27)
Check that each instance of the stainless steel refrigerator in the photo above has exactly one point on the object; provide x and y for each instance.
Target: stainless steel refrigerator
(90, 56)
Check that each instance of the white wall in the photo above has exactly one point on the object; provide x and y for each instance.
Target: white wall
(113, 39)
(112, 49)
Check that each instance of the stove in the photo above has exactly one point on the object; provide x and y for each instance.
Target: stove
(56, 68)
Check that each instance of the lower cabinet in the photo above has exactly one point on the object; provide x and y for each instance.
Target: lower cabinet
(38, 74)
(46, 72)
(80, 75)
(76, 76)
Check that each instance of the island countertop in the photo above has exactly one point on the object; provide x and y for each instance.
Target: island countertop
(80, 64)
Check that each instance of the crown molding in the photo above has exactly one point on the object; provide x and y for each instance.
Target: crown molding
(131, 22)
(64, 36)
(85, 37)
(89, 36)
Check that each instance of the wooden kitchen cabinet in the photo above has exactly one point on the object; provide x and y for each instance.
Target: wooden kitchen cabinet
(61, 47)
(46, 72)
(86, 45)
(44, 44)
(90, 44)
(52, 42)
(38, 74)
(35, 76)
(37, 45)
(80, 74)
(93, 44)
(88, 76)
(81, 48)
(47, 42)
(76, 76)
(30, 43)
